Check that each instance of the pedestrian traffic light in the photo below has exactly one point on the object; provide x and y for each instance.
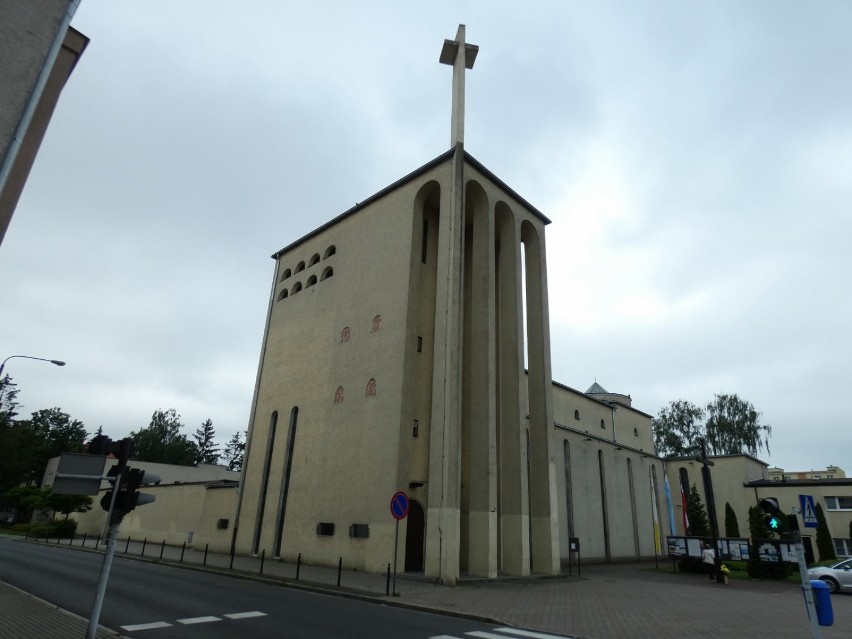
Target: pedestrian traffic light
(773, 514)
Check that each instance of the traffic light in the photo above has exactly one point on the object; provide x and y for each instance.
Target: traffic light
(130, 497)
(116, 483)
(773, 517)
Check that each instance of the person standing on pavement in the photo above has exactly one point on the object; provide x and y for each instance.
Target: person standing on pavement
(708, 558)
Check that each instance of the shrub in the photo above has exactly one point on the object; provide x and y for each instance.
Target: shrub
(63, 528)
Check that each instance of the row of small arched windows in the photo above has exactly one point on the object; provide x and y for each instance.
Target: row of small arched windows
(315, 258)
(326, 273)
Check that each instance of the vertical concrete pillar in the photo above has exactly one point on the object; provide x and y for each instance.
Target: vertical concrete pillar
(544, 525)
(480, 388)
(513, 486)
(442, 520)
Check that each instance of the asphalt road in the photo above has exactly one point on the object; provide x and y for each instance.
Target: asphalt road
(151, 600)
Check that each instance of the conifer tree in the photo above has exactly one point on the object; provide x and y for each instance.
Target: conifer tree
(699, 524)
(825, 545)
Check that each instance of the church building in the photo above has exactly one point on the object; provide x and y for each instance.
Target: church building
(407, 349)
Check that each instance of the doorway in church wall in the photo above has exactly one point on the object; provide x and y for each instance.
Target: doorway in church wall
(414, 537)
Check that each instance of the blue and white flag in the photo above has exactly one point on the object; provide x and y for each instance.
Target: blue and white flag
(669, 505)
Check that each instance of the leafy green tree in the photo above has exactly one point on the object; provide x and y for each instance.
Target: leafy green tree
(699, 524)
(677, 429)
(24, 500)
(732, 527)
(733, 427)
(825, 545)
(27, 445)
(20, 451)
(8, 401)
(205, 442)
(234, 452)
(161, 441)
(67, 504)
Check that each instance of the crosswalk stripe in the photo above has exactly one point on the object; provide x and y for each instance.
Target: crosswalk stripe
(192, 620)
(484, 635)
(245, 615)
(530, 634)
(147, 626)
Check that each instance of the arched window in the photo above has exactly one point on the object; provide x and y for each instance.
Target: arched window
(331, 250)
(314, 259)
(377, 324)
(371, 388)
(603, 424)
(326, 273)
(311, 281)
(345, 334)
(338, 395)
(300, 267)
(636, 432)
(282, 295)
(576, 414)
(285, 274)
(298, 287)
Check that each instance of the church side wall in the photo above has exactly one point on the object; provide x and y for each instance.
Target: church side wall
(335, 351)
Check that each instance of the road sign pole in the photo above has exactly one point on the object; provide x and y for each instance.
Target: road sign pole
(106, 564)
(395, 546)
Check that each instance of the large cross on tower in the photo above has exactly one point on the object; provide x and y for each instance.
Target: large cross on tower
(460, 56)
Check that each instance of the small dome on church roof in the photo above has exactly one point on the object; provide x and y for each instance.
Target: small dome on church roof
(597, 389)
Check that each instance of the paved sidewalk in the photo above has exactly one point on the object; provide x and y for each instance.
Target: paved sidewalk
(23, 616)
(615, 601)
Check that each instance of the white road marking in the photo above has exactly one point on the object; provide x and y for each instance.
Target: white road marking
(529, 633)
(484, 635)
(147, 626)
(245, 615)
(193, 620)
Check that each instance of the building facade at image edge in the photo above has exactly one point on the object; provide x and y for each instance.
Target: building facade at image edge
(393, 360)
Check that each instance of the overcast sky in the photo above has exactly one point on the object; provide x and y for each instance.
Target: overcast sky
(695, 159)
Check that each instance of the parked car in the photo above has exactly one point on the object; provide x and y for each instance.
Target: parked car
(838, 577)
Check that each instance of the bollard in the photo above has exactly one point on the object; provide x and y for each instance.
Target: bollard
(387, 586)
(83, 545)
(182, 550)
(127, 546)
(339, 570)
(298, 565)
(144, 543)
(98, 540)
(206, 546)
(262, 559)
(162, 548)
(71, 540)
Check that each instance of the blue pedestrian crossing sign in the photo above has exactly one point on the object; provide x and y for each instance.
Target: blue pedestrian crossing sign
(809, 516)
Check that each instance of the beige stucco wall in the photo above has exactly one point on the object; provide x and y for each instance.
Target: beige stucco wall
(587, 446)
(345, 466)
(181, 513)
(731, 474)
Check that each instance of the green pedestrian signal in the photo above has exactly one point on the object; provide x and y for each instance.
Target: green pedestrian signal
(773, 514)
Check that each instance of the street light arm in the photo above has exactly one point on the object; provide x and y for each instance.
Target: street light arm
(55, 362)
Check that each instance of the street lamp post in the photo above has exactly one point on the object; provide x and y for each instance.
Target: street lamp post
(56, 362)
